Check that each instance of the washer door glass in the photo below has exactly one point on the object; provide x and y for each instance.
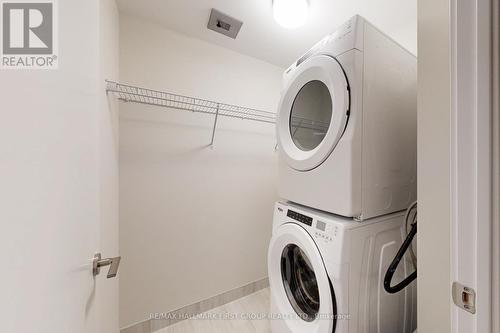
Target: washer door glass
(300, 282)
(310, 115)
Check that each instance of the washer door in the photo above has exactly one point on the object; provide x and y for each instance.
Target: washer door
(313, 112)
(300, 287)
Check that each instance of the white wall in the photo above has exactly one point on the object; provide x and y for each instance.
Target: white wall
(434, 161)
(194, 221)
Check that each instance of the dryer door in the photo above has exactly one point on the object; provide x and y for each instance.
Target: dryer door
(300, 288)
(313, 112)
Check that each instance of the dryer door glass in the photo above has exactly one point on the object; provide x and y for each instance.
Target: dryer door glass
(300, 282)
(310, 115)
(313, 112)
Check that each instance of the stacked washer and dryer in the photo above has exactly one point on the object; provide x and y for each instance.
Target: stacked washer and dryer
(347, 136)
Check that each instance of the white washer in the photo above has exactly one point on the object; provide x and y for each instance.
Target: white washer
(326, 274)
(347, 125)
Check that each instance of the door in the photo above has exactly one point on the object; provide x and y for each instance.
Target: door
(300, 288)
(56, 211)
(313, 112)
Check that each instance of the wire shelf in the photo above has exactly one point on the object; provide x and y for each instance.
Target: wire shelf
(128, 93)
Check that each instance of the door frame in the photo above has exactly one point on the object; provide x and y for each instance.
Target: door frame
(473, 167)
(495, 84)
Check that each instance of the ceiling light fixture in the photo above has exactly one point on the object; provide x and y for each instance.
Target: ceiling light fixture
(290, 14)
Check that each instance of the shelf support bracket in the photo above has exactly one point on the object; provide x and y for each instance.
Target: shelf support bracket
(215, 127)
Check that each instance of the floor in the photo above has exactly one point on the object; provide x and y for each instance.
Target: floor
(247, 314)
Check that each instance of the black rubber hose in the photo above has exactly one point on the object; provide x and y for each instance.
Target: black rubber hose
(394, 265)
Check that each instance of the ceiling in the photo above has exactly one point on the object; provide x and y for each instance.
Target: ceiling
(261, 37)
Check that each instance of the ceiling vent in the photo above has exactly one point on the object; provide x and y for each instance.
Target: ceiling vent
(224, 24)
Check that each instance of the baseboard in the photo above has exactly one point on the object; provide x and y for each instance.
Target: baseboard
(166, 319)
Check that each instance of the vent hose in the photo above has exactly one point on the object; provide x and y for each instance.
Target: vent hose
(400, 255)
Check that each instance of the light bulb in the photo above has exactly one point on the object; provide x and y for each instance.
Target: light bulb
(290, 14)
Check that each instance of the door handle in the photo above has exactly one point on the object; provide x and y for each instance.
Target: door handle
(113, 264)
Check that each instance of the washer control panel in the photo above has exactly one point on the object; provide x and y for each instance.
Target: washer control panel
(325, 231)
(300, 217)
(320, 229)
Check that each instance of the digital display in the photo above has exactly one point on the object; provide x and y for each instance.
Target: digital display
(300, 217)
(320, 225)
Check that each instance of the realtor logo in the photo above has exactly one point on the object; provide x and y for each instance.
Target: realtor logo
(28, 34)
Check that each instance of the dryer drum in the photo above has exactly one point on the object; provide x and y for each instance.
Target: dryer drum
(310, 115)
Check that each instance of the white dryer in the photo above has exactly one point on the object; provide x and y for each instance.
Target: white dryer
(326, 274)
(347, 124)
